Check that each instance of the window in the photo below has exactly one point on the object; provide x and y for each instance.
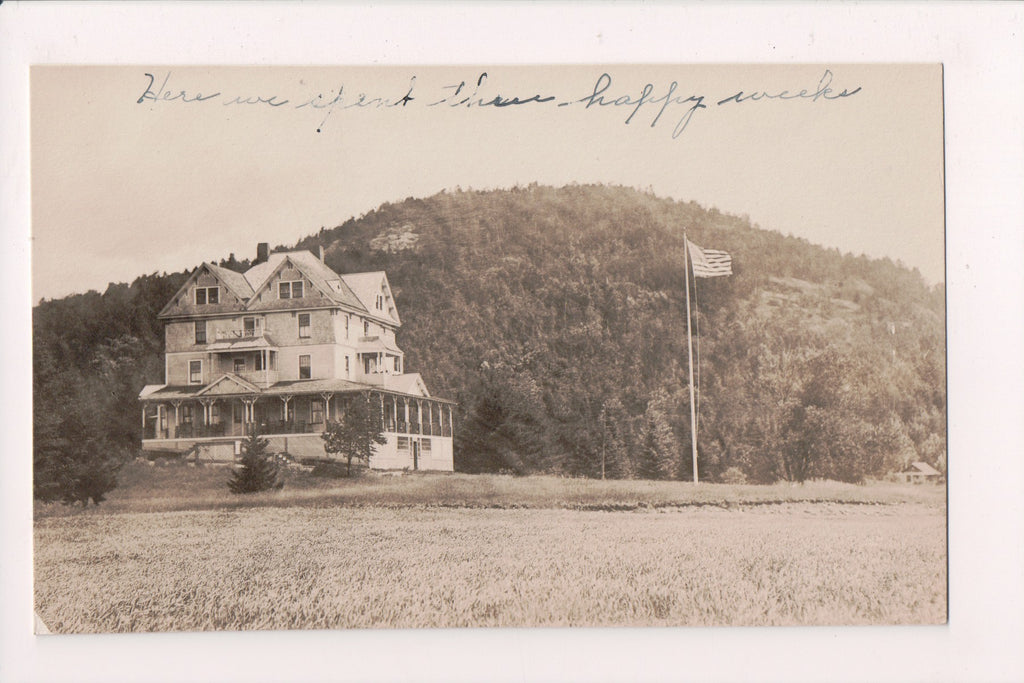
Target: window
(200, 332)
(289, 290)
(186, 414)
(346, 325)
(366, 328)
(347, 370)
(403, 444)
(316, 410)
(250, 327)
(303, 325)
(425, 446)
(273, 360)
(398, 365)
(207, 295)
(239, 365)
(259, 365)
(380, 302)
(304, 369)
(195, 372)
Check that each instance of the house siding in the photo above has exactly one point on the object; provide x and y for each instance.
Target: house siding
(216, 417)
(283, 327)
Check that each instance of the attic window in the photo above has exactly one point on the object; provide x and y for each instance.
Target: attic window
(207, 295)
(289, 290)
(380, 302)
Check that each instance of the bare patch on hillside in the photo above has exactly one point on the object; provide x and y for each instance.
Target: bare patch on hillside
(395, 239)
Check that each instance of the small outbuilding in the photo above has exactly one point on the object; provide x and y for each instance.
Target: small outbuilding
(920, 472)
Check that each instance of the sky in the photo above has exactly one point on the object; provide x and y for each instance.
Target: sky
(135, 173)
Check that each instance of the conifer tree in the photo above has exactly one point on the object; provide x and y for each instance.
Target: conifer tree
(258, 472)
(659, 448)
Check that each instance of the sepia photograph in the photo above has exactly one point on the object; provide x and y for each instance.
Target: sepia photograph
(488, 346)
(511, 343)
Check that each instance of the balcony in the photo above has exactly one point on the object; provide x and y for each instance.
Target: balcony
(263, 378)
(232, 335)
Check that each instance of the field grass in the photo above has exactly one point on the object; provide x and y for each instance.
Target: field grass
(275, 568)
(173, 550)
(145, 488)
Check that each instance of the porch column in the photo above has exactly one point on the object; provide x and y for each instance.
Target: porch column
(327, 396)
(394, 405)
(284, 401)
(430, 416)
(451, 423)
(383, 424)
(177, 420)
(249, 414)
(419, 415)
(143, 420)
(405, 403)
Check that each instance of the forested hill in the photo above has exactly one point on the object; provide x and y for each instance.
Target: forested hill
(556, 317)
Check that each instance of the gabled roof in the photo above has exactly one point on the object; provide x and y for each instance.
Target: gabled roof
(325, 281)
(236, 293)
(236, 282)
(228, 383)
(409, 383)
(925, 468)
(367, 286)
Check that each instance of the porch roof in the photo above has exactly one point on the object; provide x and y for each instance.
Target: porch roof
(243, 344)
(376, 344)
(284, 388)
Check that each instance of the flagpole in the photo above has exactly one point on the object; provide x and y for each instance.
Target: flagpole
(689, 346)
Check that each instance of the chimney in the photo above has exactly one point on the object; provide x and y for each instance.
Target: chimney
(262, 252)
(321, 253)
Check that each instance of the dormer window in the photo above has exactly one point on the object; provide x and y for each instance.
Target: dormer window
(207, 295)
(289, 290)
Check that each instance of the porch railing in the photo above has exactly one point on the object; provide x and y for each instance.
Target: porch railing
(187, 431)
(290, 427)
(401, 427)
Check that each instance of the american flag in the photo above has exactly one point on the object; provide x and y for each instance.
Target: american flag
(709, 262)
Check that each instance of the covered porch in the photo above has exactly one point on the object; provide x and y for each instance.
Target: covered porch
(174, 413)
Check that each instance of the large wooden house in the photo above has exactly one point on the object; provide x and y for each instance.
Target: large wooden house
(281, 349)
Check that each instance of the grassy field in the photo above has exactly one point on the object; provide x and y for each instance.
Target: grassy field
(500, 551)
(178, 487)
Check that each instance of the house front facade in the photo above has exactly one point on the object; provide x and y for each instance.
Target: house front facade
(282, 349)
